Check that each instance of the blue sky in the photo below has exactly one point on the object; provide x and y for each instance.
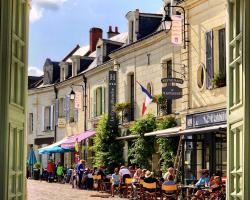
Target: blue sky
(57, 26)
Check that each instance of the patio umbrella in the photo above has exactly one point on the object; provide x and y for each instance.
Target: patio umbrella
(31, 160)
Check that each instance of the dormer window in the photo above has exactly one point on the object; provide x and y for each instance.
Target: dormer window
(99, 55)
(131, 31)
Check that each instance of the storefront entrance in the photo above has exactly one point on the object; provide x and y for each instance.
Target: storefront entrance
(204, 151)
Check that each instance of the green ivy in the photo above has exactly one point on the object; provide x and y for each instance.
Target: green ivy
(108, 151)
(167, 146)
(143, 147)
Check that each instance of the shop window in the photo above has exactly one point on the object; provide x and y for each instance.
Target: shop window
(99, 101)
(215, 58)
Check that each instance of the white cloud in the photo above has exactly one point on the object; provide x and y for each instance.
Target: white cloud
(38, 7)
(34, 71)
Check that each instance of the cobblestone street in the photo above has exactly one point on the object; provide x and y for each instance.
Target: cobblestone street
(41, 190)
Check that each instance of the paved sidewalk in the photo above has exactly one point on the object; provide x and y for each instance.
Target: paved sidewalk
(41, 190)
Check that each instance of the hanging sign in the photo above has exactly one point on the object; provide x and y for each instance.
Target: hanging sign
(112, 96)
(176, 31)
(172, 92)
(172, 80)
(78, 100)
(61, 123)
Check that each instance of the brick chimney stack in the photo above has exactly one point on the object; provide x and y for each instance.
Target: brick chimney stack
(94, 35)
(112, 33)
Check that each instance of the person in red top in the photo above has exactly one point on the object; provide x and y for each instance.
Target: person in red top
(50, 169)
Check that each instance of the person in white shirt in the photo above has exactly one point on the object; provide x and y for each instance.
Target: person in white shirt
(124, 173)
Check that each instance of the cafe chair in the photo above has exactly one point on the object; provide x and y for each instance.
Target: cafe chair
(97, 182)
(126, 189)
(150, 191)
(169, 192)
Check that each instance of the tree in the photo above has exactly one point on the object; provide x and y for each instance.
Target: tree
(167, 146)
(108, 151)
(142, 148)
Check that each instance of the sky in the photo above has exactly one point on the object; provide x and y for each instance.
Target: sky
(57, 26)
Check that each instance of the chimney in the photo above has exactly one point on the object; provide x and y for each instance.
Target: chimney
(94, 35)
(111, 33)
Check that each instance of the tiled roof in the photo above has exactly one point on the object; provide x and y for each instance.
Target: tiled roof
(122, 37)
(82, 51)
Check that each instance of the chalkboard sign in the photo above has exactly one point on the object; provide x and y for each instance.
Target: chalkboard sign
(172, 92)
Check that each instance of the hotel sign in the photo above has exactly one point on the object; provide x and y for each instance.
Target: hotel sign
(112, 96)
(206, 119)
(172, 92)
(172, 80)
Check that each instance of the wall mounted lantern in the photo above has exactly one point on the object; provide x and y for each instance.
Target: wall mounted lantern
(167, 22)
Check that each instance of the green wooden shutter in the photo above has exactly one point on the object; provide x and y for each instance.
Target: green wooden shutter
(209, 59)
(67, 108)
(103, 100)
(14, 20)
(94, 103)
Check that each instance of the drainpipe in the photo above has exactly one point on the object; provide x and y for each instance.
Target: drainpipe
(85, 102)
(85, 112)
(56, 96)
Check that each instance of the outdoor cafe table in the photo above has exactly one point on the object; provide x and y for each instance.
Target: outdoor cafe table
(193, 187)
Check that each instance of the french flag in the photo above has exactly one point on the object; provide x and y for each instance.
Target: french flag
(148, 99)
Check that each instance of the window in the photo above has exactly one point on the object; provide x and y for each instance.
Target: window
(30, 123)
(200, 76)
(149, 88)
(72, 109)
(47, 118)
(132, 97)
(215, 58)
(99, 101)
(169, 75)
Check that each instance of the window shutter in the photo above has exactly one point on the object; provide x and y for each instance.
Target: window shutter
(76, 115)
(51, 117)
(209, 59)
(103, 100)
(67, 108)
(222, 52)
(94, 103)
(42, 119)
(56, 111)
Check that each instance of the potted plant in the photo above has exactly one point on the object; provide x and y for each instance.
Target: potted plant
(122, 108)
(161, 104)
(36, 169)
(219, 80)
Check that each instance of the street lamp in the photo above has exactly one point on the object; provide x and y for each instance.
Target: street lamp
(72, 94)
(167, 22)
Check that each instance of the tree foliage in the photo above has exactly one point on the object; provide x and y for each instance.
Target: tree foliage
(167, 146)
(143, 147)
(108, 151)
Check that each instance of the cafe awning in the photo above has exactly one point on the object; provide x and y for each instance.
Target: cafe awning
(168, 131)
(209, 129)
(54, 148)
(70, 142)
(154, 133)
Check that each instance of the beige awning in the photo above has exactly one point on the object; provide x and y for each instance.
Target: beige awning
(168, 131)
(192, 131)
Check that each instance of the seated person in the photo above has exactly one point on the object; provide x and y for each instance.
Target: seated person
(150, 179)
(143, 174)
(204, 179)
(216, 187)
(137, 176)
(170, 171)
(124, 173)
(170, 181)
(116, 178)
